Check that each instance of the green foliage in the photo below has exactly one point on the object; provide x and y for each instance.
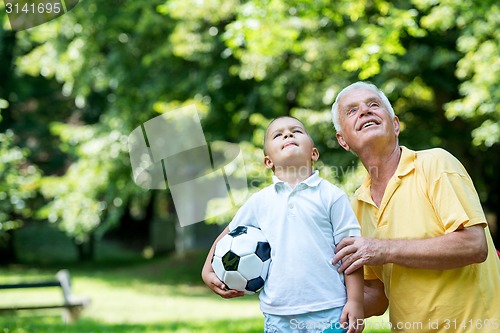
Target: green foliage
(114, 65)
(19, 181)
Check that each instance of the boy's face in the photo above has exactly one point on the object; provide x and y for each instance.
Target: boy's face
(288, 144)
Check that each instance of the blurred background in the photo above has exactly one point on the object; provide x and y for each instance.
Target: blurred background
(74, 88)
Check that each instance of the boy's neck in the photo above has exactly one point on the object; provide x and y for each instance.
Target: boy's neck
(293, 175)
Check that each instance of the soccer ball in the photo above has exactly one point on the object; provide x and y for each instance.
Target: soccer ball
(241, 259)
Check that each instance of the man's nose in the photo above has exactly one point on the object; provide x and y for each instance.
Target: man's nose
(364, 109)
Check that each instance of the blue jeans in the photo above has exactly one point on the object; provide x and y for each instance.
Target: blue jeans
(325, 321)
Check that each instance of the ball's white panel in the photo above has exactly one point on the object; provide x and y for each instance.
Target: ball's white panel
(223, 246)
(246, 243)
(243, 245)
(256, 234)
(218, 267)
(250, 266)
(235, 280)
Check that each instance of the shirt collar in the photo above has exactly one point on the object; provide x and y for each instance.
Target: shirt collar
(312, 181)
(405, 166)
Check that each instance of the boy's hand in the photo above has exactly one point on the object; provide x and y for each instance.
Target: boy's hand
(353, 315)
(218, 287)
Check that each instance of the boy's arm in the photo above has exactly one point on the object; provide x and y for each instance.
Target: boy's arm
(353, 313)
(210, 278)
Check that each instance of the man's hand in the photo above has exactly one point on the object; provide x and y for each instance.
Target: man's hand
(354, 252)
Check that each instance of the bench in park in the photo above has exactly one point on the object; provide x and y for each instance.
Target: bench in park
(72, 305)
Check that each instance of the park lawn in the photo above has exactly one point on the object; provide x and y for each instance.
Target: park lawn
(129, 294)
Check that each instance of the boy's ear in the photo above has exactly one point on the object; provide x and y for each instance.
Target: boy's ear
(268, 163)
(315, 154)
(342, 142)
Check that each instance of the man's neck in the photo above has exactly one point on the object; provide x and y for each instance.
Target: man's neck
(381, 164)
(293, 174)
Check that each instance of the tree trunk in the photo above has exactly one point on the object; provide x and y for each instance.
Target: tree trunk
(86, 250)
(8, 253)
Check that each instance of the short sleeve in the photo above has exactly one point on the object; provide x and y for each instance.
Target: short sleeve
(245, 215)
(345, 223)
(456, 201)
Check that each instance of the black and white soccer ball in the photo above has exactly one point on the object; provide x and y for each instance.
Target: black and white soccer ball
(241, 259)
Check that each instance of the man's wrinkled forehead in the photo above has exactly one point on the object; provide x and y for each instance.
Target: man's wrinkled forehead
(354, 97)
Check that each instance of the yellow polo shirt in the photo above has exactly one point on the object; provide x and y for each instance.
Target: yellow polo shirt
(429, 195)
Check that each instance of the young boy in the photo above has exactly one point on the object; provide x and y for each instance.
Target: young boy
(303, 218)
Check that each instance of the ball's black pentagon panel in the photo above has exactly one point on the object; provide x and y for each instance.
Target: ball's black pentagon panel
(263, 251)
(230, 261)
(239, 231)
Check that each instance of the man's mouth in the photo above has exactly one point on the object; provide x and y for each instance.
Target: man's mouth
(368, 124)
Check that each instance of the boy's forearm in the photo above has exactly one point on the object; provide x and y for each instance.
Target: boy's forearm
(207, 266)
(355, 286)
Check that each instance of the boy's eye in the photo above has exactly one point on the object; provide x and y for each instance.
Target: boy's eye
(276, 135)
(297, 131)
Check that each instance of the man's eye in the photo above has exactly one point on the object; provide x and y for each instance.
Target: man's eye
(351, 111)
(373, 104)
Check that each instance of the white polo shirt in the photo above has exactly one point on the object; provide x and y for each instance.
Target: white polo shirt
(302, 226)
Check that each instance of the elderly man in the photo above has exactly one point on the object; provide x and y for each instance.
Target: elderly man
(426, 246)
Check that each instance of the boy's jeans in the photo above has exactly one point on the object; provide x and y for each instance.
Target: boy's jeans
(325, 321)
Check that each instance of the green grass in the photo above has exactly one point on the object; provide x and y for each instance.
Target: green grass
(128, 294)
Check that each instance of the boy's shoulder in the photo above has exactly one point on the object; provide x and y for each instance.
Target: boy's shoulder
(262, 193)
(331, 187)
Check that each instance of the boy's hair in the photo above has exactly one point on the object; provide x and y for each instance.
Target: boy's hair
(280, 117)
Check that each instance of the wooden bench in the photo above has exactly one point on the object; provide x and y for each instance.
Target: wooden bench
(72, 305)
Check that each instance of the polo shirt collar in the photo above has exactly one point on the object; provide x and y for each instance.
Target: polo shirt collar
(311, 181)
(406, 162)
(405, 166)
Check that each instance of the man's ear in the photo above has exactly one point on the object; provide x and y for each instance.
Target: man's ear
(268, 163)
(342, 142)
(315, 154)
(397, 125)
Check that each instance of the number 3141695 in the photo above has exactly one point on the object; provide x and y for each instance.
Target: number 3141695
(39, 8)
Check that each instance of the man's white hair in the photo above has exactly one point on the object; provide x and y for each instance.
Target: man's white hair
(357, 86)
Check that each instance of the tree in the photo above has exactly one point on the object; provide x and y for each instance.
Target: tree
(120, 63)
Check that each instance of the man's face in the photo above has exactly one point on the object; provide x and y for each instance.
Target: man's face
(364, 120)
(288, 143)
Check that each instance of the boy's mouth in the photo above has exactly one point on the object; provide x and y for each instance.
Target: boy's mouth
(288, 144)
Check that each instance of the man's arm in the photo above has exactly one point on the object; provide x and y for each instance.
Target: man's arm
(375, 300)
(456, 249)
(210, 278)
